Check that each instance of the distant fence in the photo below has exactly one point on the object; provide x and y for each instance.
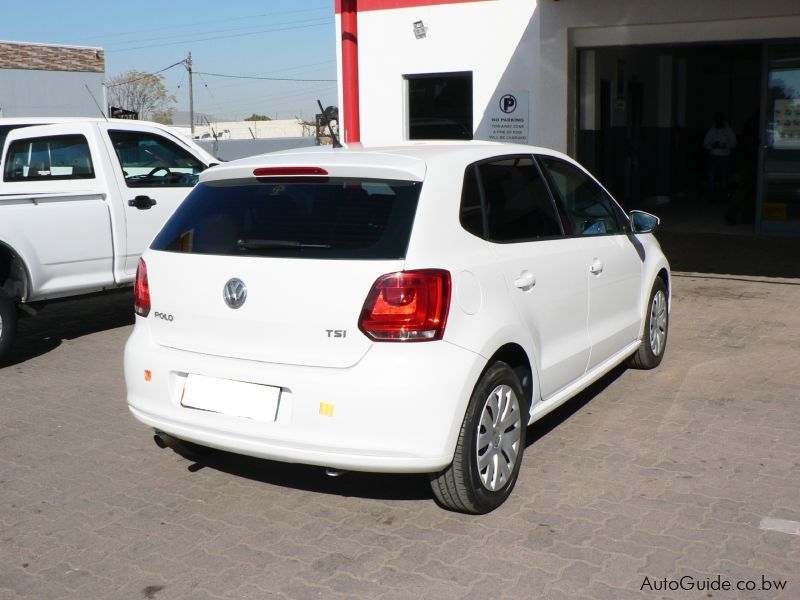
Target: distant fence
(233, 149)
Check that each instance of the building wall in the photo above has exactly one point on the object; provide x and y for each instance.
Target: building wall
(16, 55)
(248, 130)
(481, 37)
(233, 149)
(588, 23)
(530, 45)
(39, 80)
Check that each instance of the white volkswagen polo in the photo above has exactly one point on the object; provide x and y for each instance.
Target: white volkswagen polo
(407, 309)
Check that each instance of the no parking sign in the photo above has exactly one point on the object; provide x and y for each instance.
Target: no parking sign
(508, 117)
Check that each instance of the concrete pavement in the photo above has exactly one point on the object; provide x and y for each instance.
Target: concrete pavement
(645, 478)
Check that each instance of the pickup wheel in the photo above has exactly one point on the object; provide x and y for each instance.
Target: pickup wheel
(8, 323)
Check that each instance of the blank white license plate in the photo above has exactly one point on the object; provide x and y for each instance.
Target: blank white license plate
(235, 398)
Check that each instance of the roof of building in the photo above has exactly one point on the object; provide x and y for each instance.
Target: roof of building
(47, 45)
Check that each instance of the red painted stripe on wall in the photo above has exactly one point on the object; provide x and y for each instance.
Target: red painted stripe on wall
(365, 5)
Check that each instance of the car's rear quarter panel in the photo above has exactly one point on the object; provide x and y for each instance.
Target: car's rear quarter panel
(482, 317)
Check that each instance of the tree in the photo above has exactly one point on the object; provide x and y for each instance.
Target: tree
(255, 117)
(143, 93)
(163, 116)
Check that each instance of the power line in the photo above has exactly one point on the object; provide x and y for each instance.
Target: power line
(208, 89)
(180, 83)
(173, 27)
(275, 100)
(191, 36)
(144, 76)
(302, 69)
(281, 95)
(221, 37)
(278, 100)
(265, 78)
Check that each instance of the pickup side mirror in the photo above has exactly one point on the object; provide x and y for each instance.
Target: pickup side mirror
(642, 222)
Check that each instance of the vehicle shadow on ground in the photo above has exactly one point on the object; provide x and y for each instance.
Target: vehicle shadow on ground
(746, 255)
(374, 486)
(552, 420)
(69, 320)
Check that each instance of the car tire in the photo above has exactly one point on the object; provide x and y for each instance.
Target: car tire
(8, 324)
(656, 328)
(490, 445)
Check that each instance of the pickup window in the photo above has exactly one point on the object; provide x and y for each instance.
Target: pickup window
(49, 158)
(6, 129)
(149, 160)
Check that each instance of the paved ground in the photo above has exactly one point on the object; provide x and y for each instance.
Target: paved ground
(648, 475)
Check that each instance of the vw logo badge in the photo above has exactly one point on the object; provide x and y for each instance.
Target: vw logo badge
(234, 293)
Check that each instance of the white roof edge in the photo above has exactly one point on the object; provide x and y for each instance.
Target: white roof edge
(338, 164)
(410, 159)
(48, 45)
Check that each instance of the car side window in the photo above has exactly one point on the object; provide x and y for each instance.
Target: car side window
(517, 205)
(49, 158)
(471, 214)
(149, 160)
(591, 209)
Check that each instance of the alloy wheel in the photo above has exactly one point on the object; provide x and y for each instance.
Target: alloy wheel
(498, 438)
(658, 323)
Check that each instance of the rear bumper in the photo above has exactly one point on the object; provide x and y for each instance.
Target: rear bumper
(398, 410)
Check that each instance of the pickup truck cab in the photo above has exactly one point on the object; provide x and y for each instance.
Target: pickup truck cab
(80, 199)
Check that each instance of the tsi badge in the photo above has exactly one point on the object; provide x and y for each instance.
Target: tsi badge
(336, 333)
(234, 293)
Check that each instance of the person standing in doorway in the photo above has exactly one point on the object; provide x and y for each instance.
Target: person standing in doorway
(719, 142)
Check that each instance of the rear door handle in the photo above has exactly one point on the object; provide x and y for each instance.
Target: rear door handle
(596, 267)
(142, 202)
(525, 281)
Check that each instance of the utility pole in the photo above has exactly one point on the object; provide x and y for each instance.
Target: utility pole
(188, 64)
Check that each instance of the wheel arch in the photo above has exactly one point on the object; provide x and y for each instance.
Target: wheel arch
(14, 274)
(664, 276)
(517, 358)
(659, 270)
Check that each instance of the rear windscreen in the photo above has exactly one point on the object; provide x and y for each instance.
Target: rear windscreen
(331, 218)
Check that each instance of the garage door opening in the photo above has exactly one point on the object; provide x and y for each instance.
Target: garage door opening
(644, 112)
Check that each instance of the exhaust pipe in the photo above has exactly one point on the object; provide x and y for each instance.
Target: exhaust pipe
(164, 440)
(334, 472)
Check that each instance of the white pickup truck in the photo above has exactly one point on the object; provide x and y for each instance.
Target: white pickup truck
(80, 199)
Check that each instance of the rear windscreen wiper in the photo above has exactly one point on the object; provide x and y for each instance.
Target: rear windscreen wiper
(270, 244)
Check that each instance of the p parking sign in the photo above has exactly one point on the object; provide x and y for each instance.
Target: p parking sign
(508, 103)
(508, 117)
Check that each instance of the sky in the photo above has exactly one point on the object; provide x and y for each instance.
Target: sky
(270, 38)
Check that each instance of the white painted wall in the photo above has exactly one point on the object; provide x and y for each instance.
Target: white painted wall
(529, 44)
(33, 93)
(246, 130)
(481, 37)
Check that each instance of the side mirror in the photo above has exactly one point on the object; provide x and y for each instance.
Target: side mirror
(642, 222)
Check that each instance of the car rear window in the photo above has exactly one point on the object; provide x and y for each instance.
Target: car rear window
(331, 218)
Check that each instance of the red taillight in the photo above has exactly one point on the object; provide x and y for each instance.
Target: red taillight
(409, 306)
(288, 171)
(141, 291)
